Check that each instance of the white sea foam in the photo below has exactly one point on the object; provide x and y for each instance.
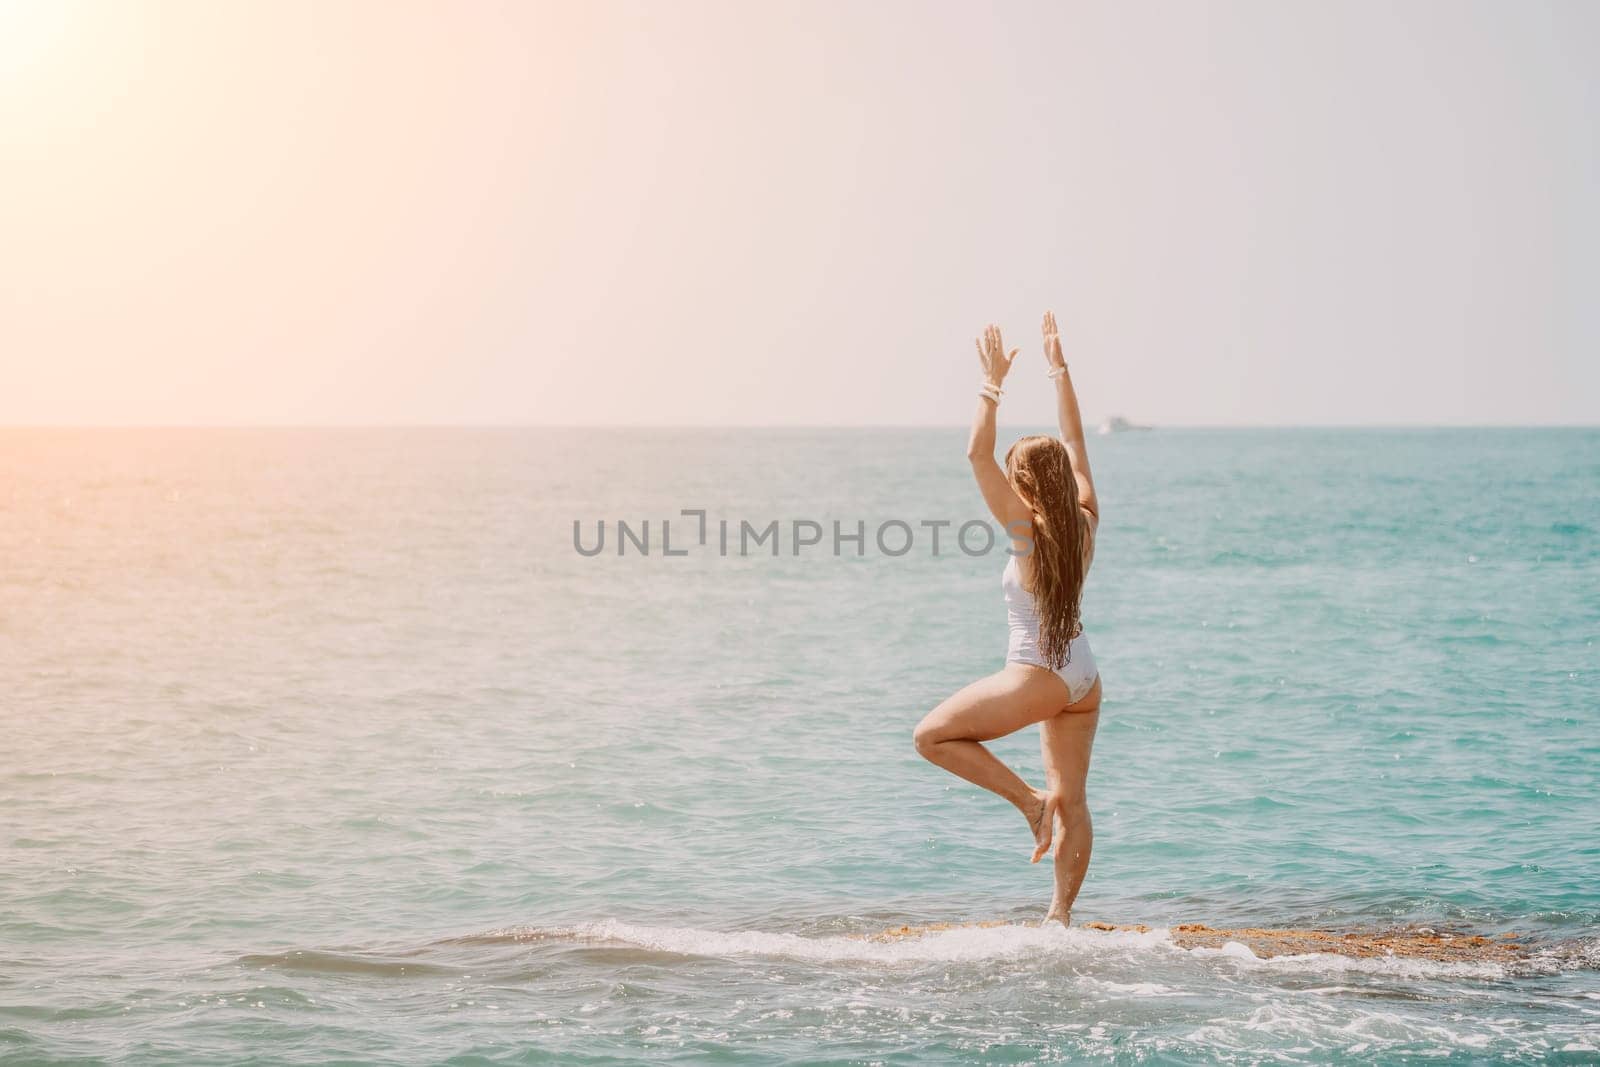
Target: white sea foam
(1394, 966)
(1137, 989)
(979, 943)
(954, 945)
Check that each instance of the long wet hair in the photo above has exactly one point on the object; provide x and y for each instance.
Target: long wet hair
(1041, 472)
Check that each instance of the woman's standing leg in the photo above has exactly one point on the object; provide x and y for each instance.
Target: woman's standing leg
(951, 736)
(1066, 740)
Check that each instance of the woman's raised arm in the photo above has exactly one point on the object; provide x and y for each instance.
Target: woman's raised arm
(1004, 503)
(1071, 422)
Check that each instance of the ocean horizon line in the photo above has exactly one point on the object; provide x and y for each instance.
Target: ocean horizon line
(783, 427)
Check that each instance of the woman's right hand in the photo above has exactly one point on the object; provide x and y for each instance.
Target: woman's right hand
(992, 356)
(1052, 342)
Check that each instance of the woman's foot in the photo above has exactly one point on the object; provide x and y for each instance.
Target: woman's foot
(1058, 914)
(1041, 820)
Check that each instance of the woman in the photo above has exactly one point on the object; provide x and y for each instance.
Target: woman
(1045, 499)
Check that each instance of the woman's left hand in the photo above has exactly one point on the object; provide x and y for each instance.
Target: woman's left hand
(992, 355)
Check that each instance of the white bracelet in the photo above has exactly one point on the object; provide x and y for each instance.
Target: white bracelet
(1056, 372)
(992, 391)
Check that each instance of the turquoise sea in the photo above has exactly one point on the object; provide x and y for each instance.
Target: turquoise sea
(328, 746)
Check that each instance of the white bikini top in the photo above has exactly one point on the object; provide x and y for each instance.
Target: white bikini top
(1022, 611)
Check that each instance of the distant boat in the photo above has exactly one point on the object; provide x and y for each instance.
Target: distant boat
(1118, 424)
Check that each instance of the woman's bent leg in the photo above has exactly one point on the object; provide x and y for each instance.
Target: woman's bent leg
(951, 736)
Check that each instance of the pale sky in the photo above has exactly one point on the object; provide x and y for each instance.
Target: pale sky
(754, 213)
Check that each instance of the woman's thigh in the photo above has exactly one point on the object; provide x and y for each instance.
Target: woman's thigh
(1066, 741)
(995, 706)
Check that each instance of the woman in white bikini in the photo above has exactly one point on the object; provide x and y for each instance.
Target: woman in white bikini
(1045, 499)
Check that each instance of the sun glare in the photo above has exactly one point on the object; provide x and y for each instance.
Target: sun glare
(30, 31)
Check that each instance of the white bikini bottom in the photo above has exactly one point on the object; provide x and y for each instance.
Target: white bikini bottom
(1079, 672)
